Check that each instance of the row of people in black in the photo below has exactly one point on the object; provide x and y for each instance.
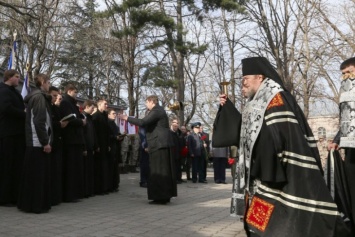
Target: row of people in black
(45, 160)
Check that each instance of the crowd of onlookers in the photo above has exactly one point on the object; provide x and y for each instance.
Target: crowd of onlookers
(52, 150)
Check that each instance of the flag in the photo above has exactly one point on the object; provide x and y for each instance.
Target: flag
(11, 64)
(25, 87)
(122, 126)
(131, 128)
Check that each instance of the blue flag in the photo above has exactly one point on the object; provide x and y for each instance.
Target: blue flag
(11, 63)
(25, 87)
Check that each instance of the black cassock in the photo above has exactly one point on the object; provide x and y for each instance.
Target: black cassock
(114, 177)
(101, 159)
(56, 160)
(162, 177)
(91, 146)
(73, 147)
(286, 178)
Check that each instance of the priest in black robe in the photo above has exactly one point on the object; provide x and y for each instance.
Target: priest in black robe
(73, 147)
(114, 134)
(279, 169)
(162, 177)
(57, 148)
(12, 137)
(91, 147)
(35, 187)
(101, 159)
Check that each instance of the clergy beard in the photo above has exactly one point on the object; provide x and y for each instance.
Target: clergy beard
(249, 94)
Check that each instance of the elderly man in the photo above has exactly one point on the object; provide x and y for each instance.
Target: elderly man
(279, 165)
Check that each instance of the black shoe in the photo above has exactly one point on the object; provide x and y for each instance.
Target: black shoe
(143, 185)
(178, 182)
(183, 181)
(223, 182)
(217, 182)
(203, 182)
(194, 181)
(189, 179)
(160, 202)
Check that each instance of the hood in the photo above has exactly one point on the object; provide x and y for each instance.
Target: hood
(34, 92)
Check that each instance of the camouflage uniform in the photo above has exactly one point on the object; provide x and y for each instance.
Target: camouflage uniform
(124, 149)
(135, 143)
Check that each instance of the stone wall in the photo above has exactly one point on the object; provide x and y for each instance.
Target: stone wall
(324, 125)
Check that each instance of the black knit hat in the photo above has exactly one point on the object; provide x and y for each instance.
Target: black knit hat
(260, 65)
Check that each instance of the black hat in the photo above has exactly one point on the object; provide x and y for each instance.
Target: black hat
(260, 65)
(195, 125)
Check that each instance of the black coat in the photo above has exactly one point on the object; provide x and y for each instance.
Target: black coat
(90, 133)
(73, 133)
(100, 120)
(12, 112)
(39, 129)
(194, 144)
(156, 125)
(177, 144)
(57, 129)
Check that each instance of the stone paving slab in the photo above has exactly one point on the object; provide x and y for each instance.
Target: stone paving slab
(200, 210)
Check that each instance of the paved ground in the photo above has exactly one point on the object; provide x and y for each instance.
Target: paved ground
(199, 210)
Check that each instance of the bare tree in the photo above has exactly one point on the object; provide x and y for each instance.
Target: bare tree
(38, 34)
(285, 32)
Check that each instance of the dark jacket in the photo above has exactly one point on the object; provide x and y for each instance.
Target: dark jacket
(90, 133)
(12, 112)
(57, 129)
(194, 144)
(100, 120)
(157, 128)
(177, 144)
(39, 130)
(143, 138)
(113, 134)
(73, 133)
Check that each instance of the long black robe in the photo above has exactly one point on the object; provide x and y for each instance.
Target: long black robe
(101, 159)
(35, 192)
(113, 156)
(91, 146)
(338, 185)
(73, 147)
(56, 160)
(286, 173)
(12, 143)
(162, 177)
